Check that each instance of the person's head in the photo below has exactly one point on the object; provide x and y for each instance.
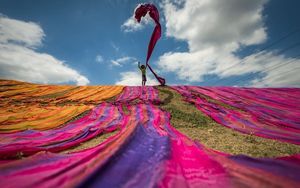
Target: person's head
(143, 66)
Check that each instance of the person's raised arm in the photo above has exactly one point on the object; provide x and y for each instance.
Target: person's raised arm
(139, 65)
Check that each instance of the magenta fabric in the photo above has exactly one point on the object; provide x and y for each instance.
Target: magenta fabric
(140, 12)
(267, 112)
(103, 118)
(148, 152)
(143, 154)
(145, 94)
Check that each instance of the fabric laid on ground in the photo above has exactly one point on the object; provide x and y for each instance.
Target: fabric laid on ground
(138, 93)
(268, 112)
(25, 106)
(103, 118)
(13, 91)
(16, 118)
(148, 152)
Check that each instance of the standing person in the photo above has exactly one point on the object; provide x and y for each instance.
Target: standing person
(143, 70)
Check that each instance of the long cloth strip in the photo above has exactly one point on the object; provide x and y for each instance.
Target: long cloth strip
(13, 91)
(16, 118)
(26, 106)
(140, 12)
(269, 112)
(145, 94)
(148, 152)
(101, 119)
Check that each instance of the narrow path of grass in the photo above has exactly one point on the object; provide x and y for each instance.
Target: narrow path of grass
(190, 121)
(90, 143)
(96, 140)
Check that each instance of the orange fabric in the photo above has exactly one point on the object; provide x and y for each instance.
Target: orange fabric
(26, 106)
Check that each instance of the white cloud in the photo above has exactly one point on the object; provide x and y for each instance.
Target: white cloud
(214, 31)
(279, 72)
(131, 25)
(123, 60)
(99, 59)
(20, 61)
(28, 34)
(132, 78)
(223, 24)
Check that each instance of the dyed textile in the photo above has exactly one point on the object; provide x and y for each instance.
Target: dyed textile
(25, 106)
(103, 118)
(141, 154)
(140, 12)
(138, 93)
(13, 91)
(92, 94)
(271, 113)
(148, 152)
(15, 118)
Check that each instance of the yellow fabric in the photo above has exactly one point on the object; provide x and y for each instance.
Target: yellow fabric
(34, 106)
(18, 118)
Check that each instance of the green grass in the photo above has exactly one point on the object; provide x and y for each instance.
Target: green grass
(91, 143)
(190, 121)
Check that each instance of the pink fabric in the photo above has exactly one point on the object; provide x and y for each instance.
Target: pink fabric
(190, 166)
(144, 94)
(148, 152)
(140, 12)
(51, 170)
(271, 113)
(103, 118)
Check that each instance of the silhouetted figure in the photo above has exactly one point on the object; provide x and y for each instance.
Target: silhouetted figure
(143, 70)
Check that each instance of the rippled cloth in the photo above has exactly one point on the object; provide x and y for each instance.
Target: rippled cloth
(25, 106)
(146, 94)
(22, 117)
(267, 112)
(148, 152)
(140, 12)
(103, 118)
(14, 91)
(143, 154)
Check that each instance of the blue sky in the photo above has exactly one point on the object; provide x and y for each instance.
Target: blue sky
(203, 42)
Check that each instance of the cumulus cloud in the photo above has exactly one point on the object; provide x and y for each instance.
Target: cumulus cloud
(280, 71)
(14, 31)
(19, 59)
(123, 60)
(215, 30)
(131, 25)
(133, 78)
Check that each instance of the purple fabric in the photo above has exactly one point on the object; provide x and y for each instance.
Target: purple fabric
(283, 168)
(145, 94)
(148, 152)
(140, 158)
(271, 113)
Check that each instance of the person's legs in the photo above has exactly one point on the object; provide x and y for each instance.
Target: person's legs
(144, 80)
